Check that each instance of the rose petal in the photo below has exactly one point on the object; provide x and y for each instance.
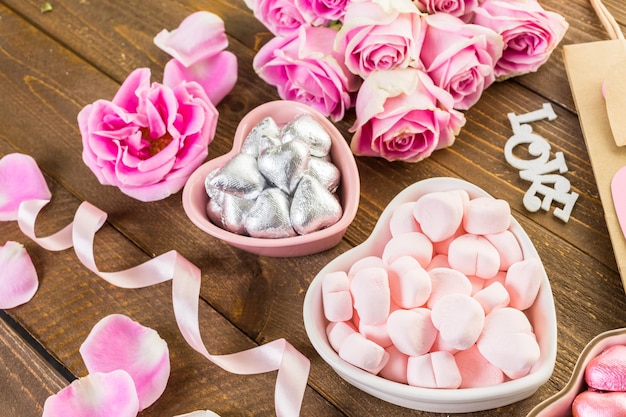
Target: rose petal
(20, 180)
(117, 342)
(96, 395)
(199, 36)
(18, 277)
(199, 413)
(217, 74)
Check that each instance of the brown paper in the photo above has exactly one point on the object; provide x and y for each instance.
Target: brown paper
(587, 67)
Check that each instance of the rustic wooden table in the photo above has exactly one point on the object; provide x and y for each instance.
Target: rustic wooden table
(54, 63)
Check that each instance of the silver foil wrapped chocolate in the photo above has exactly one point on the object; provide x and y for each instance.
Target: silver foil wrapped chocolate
(281, 184)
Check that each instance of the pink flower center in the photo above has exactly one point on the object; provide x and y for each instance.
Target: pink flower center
(155, 145)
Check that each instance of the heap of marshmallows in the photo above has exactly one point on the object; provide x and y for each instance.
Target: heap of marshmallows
(443, 306)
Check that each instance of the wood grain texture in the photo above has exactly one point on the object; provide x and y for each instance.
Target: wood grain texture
(52, 64)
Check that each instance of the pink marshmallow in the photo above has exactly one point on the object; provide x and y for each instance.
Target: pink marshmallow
(402, 220)
(493, 297)
(499, 277)
(486, 215)
(439, 214)
(371, 295)
(438, 261)
(412, 244)
(507, 246)
(412, 331)
(409, 283)
(447, 281)
(442, 247)
(477, 283)
(367, 262)
(507, 341)
(459, 319)
(336, 297)
(377, 333)
(434, 370)
(474, 255)
(363, 353)
(441, 344)
(337, 333)
(476, 371)
(396, 367)
(523, 280)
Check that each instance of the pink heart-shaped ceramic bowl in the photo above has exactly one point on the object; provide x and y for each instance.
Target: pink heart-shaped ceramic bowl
(195, 197)
(541, 315)
(560, 404)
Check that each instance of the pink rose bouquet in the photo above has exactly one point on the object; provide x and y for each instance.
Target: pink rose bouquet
(304, 67)
(530, 33)
(150, 138)
(376, 36)
(458, 48)
(460, 57)
(463, 9)
(403, 116)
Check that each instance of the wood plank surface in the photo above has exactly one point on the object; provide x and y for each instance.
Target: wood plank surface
(52, 64)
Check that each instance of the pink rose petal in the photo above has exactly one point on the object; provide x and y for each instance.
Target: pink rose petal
(96, 395)
(20, 180)
(18, 277)
(199, 36)
(200, 413)
(117, 342)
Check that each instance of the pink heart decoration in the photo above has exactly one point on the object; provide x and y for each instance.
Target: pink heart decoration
(618, 190)
(20, 180)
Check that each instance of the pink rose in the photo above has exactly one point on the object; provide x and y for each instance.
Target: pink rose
(460, 57)
(322, 12)
(197, 47)
(281, 17)
(380, 35)
(150, 138)
(403, 115)
(463, 9)
(305, 68)
(530, 33)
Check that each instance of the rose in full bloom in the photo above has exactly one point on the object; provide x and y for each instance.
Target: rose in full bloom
(281, 17)
(460, 57)
(150, 138)
(305, 68)
(380, 35)
(530, 33)
(402, 115)
(198, 50)
(463, 9)
(322, 12)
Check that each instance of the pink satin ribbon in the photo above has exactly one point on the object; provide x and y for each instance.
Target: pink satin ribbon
(292, 366)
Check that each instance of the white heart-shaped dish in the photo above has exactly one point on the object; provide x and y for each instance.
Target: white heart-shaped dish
(542, 316)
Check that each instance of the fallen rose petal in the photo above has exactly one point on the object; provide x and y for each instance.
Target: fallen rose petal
(117, 342)
(199, 413)
(20, 180)
(200, 35)
(96, 395)
(18, 277)
(217, 75)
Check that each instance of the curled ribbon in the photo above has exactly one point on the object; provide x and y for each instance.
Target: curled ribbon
(292, 366)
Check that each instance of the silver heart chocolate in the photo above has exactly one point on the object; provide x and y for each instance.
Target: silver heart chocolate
(229, 212)
(265, 128)
(269, 216)
(325, 172)
(313, 207)
(285, 164)
(309, 131)
(240, 177)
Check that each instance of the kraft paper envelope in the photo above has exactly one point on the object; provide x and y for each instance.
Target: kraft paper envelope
(587, 67)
